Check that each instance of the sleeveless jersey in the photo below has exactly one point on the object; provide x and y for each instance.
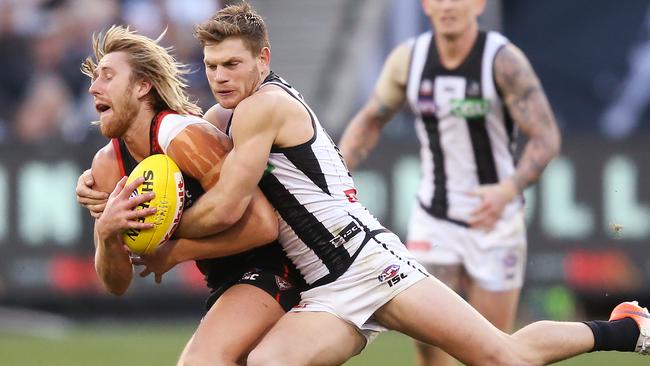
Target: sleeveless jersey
(323, 227)
(467, 136)
(221, 272)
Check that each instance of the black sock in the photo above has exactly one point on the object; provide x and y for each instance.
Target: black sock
(615, 335)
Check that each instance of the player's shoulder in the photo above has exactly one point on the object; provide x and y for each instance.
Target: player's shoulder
(510, 57)
(267, 109)
(218, 116)
(174, 125)
(402, 52)
(497, 37)
(513, 72)
(269, 100)
(396, 66)
(106, 155)
(182, 119)
(179, 122)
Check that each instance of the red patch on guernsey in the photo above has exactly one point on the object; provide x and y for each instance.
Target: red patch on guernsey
(418, 246)
(351, 194)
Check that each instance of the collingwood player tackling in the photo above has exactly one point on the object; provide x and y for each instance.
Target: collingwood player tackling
(360, 278)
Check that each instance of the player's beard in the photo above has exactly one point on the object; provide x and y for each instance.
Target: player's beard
(124, 112)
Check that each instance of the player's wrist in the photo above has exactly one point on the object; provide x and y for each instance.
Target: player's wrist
(511, 188)
(105, 233)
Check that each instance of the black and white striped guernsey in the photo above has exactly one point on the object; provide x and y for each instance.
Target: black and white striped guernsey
(467, 136)
(322, 225)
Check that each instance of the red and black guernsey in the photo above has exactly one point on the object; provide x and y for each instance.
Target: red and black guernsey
(266, 267)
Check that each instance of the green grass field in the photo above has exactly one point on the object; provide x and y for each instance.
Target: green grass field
(129, 344)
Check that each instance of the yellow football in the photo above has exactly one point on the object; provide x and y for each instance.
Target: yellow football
(162, 176)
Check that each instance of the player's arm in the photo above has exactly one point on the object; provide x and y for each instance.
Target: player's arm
(93, 200)
(254, 130)
(235, 239)
(199, 151)
(112, 261)
(529, 108)
(363, 132)
(527, 103)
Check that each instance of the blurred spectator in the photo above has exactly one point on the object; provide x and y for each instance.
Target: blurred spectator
(43, 96)
(14, 67)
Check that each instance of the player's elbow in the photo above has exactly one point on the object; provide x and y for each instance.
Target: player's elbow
(553, 141)
(269, 230)
(227, 219)
(117, 290)
(115, 287)
(263, 215)
(556, 145)
(115, 284)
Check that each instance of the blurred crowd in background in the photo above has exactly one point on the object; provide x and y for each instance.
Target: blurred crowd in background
(43, 96)
(44, 99)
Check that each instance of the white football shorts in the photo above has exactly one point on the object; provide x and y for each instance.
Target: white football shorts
(382, 270)
(495, 259)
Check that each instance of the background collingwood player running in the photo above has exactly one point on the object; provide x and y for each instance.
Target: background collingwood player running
(470, 92)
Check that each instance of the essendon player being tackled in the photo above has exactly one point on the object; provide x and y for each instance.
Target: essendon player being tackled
(143, 108)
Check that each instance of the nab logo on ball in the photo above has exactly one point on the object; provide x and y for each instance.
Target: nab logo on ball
(163, 177)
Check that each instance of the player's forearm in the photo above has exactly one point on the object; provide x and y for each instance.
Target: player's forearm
(538, 152)
(258, 226)
(208, 216)
(113, 265)
(237, 239)
(359, 138)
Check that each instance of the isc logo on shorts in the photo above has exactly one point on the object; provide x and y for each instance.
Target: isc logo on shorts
(391, 275)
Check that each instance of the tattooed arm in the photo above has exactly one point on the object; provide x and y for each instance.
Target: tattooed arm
(530, 110)
(362, 134)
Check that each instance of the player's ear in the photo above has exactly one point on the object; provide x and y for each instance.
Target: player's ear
(265, 56)
(142, 87)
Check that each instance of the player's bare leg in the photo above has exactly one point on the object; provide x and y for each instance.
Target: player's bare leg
(499, 307)
(232, 327)
(307, 338)
(428, 355)
(460, 330)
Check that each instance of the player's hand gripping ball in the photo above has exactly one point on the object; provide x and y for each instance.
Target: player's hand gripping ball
(162, 176)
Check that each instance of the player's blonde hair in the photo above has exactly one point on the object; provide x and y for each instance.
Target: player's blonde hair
(235, 21)
(149, 61)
